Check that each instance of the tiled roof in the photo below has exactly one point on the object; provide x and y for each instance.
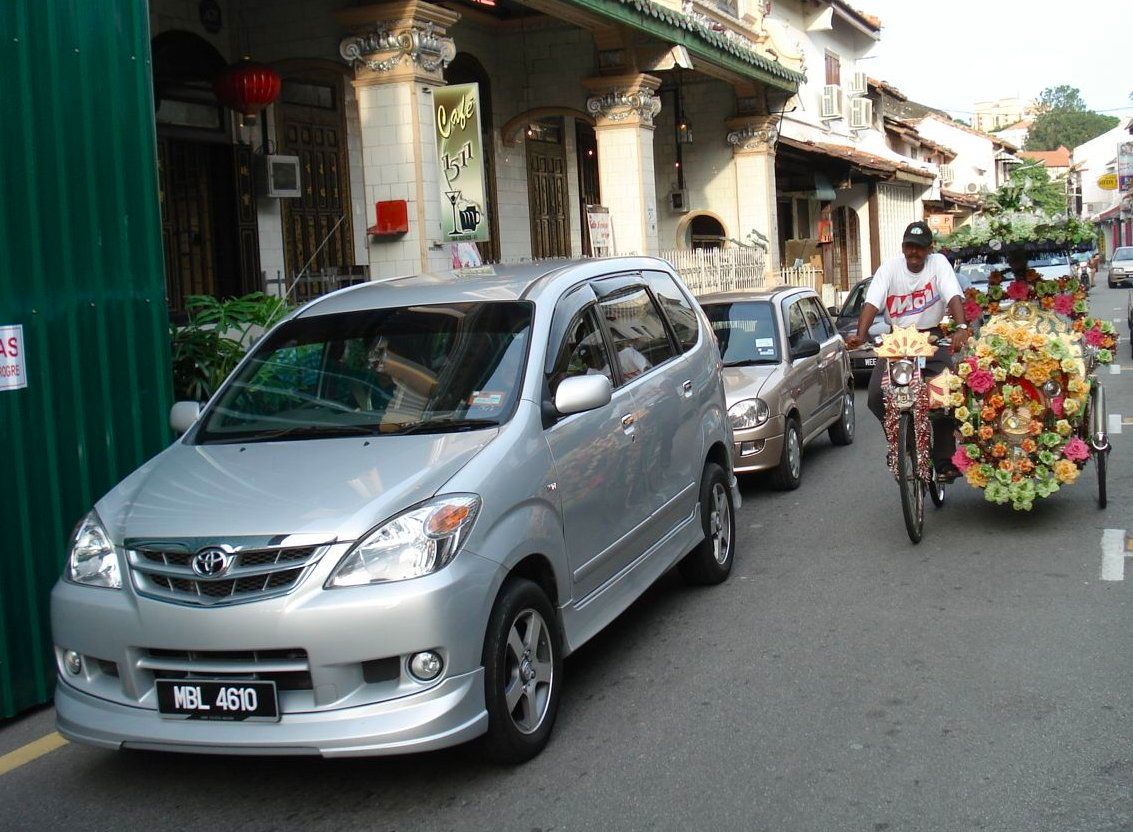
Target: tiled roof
(886, 87)
(868, 162)
(969, 200)
(1050, 158)
(997, 140)
(872, 21)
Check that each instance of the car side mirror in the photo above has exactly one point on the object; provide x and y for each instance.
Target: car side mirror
(806, 348)
(182, 416)
(578, 394)
(833, 310)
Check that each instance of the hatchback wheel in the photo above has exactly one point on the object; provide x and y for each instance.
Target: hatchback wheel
(711, 561)
(842, 431)
(789, 473)
(522, 673)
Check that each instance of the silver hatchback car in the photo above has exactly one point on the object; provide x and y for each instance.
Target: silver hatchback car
(407, 504)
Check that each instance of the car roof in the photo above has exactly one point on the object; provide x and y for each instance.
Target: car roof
(763, 293)
(512, 282)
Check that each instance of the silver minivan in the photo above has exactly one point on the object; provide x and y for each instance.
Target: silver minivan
(406, 505)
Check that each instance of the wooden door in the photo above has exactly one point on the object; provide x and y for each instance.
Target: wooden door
(187, 199)
(312, 126)
(548, 198)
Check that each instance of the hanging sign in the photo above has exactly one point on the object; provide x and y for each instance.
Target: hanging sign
(601, 231)
(1108, 181)
(464, 205)
(1125, 166)
(13, 373)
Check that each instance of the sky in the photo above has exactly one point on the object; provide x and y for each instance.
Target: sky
(950, 54)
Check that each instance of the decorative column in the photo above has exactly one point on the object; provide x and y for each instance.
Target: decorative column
(753, 157)
(399, 51)
(623, 108)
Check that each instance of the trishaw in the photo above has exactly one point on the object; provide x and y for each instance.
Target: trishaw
(1028, 406)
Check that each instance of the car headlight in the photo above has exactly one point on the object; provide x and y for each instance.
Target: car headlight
(92, 559)
(1117, 270)
(901, 373)
(416, 542)
(749, 413)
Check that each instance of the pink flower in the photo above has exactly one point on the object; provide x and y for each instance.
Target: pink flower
(981, 381)
(1018, 290)
(1064, 304)
(973, 362)
(972, 311)
(1075, 450)
(1094, 337)
(1056, 405)
(961, 460)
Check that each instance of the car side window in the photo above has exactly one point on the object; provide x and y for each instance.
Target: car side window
(797, 330)
(637, 331)
(676, 307)
(583, 352)
(820, 326)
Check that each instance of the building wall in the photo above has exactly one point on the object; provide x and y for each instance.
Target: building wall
(708, 169)
(975, 154)
(1095, 158)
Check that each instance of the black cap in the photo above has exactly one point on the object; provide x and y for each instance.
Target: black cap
(918, 233)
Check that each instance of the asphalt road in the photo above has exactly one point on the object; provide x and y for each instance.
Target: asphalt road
(843, 679)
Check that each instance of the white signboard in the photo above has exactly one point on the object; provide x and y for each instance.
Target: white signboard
(601, 231)
(13, 374)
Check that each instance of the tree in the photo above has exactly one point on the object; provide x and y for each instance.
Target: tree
(1064, 120)
(1029, 188)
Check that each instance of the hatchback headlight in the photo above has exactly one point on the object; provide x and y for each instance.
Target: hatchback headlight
(414, 543)
(91, 559)
(749, 413)
(901, 373)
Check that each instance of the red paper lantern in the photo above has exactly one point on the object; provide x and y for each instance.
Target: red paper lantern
(247, 87)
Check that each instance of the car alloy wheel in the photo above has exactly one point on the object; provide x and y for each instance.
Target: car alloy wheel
(720, 521)
(530, 671)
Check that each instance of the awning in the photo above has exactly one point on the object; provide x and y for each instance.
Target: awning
(868, 163)
(1110, 213)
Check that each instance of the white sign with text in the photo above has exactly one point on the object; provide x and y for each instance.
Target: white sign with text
(13, 373)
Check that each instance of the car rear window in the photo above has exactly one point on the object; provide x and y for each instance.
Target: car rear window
(676, 307)
(746, 331)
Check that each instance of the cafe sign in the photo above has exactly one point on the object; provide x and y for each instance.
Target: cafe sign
(464, 205)
(1108, 181)
(13, 372)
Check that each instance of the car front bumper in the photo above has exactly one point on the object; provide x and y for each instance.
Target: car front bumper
(758, 449)
(862, 361)
(343, 687)
(1121, 279)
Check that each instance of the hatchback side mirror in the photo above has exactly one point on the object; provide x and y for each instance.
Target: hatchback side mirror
(581, 393)
(806, 348)
(182, 416)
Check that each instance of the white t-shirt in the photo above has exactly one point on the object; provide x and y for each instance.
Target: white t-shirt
(918, 300)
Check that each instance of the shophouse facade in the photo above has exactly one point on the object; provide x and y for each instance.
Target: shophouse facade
(1098, 163)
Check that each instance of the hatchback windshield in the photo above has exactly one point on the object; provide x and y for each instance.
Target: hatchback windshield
(746, 332)
(413, 369)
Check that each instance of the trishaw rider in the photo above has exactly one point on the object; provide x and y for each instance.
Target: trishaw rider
(915, 289)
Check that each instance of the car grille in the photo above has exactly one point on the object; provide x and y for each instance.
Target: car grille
(167, 573)
(289, 668)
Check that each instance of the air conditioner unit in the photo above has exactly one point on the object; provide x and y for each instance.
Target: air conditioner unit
(946, 174)
(832, 104)
(861, 113)
(972, 188)
(678, 201)
(278, 176)
(859, 84)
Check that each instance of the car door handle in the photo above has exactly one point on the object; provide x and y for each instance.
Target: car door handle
(687, 387)
(628, 427)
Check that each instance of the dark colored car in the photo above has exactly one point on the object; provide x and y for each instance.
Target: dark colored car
(863, 359)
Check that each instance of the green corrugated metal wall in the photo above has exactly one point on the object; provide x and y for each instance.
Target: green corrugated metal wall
(81, 270)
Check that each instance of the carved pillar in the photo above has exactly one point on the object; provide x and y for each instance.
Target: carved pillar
(399, 51)
(752, 139)
(623, 107)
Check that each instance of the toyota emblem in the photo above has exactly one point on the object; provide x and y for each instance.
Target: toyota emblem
(211, 563)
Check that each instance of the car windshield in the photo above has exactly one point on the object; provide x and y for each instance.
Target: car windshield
(977, 273)
(411, 369)
(1123, 253)
(1047, 265)
(746, 332)
(852, 308)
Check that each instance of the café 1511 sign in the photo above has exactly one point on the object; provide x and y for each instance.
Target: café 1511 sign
(464, 206)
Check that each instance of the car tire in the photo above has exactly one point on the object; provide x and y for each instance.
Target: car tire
(711, 561)
(789, 472)
(842, 431)
(522, 665)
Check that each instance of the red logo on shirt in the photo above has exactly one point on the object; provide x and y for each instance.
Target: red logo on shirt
(913, 303)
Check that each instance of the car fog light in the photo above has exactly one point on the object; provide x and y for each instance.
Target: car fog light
(73, 662)
(749, 448)
(425, 665)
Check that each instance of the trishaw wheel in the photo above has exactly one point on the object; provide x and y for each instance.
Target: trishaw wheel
(1100, 459)
(912, 489)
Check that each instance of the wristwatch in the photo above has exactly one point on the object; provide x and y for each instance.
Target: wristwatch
(961, 326)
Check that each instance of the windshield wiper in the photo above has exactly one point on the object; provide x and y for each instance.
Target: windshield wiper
(305, 432)
(751, 362)
(443, 426)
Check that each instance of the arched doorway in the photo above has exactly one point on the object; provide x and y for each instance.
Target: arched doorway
(206, 191)
(548, 195)
(465, 69)
(705, 231)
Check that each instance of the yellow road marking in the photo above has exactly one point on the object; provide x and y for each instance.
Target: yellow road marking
(32, 751)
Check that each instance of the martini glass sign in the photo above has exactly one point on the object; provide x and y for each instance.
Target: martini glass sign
(459, 154)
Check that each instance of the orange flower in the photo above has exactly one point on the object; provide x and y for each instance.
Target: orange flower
(1036, 428)
(1047, 302)
(1026, 466)
(993, 308)
(988, 413)
(999, 451)
(986, 432)
(1005, 465)
(1017, 397)
(1029, 446)
(996, 401)
(1079, 325)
